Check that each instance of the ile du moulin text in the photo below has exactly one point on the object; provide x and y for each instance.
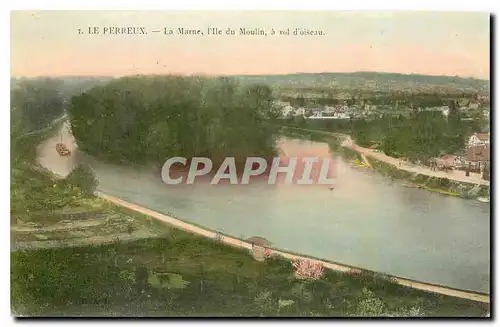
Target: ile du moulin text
(116, 30)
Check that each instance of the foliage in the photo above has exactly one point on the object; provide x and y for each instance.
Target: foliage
(84, 178)
(24, 147)
(370, 305)
(201, 278)
(166, 280)
(34, 104)
(33, 190)
(308, 269)
(421, 136)
(149, 119)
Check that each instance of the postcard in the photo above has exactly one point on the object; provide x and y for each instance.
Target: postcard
(250, 164)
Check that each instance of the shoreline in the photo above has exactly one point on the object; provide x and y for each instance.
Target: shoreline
(367, 156)
(238, 243)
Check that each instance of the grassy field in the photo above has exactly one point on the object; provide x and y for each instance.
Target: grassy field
(184, 275)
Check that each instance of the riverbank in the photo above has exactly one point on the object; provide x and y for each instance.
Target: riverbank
(451, 184)
(238, 243)
(439, 185)
(24, 147)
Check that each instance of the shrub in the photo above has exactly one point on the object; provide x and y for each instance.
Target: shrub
(308, 269)
(83, 177)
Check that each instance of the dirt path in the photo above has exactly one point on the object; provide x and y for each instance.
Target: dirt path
(455, 175)
(76, 242)
(330, 265)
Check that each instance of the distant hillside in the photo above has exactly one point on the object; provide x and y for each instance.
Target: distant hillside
(371, 81)
(67, 85)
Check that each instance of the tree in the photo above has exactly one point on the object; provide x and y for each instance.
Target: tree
(83, 177)
(361, 132)
(35, 104)
(300, 121)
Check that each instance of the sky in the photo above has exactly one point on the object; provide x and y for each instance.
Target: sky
(47, 43)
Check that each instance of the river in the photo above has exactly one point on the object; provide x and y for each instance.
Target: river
(367, 221)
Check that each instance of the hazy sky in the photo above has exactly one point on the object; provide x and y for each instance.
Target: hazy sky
(436, 43)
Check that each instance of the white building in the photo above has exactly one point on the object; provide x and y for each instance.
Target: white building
(479, 139)
(474, 105)
(300, 112)
(287, 111)
(329, 109)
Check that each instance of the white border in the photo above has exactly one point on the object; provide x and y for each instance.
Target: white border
(457, 5)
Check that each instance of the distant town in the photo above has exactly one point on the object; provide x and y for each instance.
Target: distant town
(469, 108)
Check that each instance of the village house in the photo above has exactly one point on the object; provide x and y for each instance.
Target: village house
(449, 161)
(287, 110)
(329, 109)
(478, 157)
(341, 115)
(300, 112)
(473, 105)
(477, 139)
(317, 110)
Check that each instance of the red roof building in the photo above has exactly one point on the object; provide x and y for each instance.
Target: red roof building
(479, 153)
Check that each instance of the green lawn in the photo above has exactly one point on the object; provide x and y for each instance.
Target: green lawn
(183, 275)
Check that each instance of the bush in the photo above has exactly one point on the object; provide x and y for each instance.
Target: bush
(444, 183)
(83, 177)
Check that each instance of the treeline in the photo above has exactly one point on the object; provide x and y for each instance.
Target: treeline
(34, 104)
(421, 136)
(424, 135)
(151, 118)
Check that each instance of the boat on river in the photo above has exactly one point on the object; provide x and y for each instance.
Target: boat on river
(62, 149)
(436, 190)
(412, 186)
(483, 199)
